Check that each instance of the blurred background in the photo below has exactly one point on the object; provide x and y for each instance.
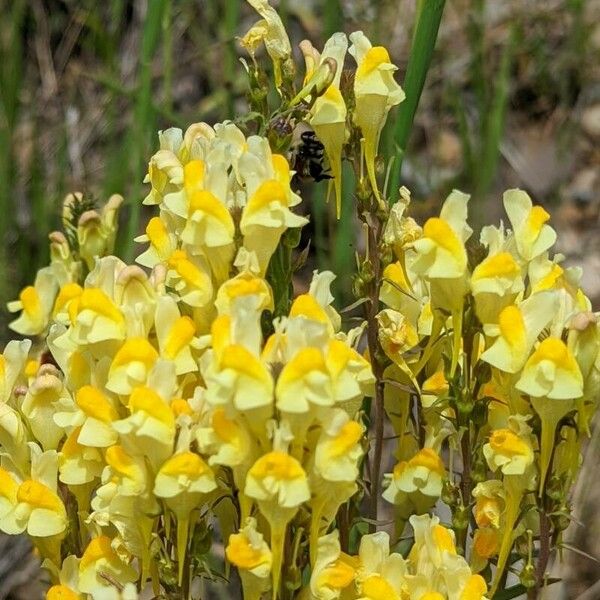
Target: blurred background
(512, 100)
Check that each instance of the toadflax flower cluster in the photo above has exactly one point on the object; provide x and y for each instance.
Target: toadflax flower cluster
(188, 415)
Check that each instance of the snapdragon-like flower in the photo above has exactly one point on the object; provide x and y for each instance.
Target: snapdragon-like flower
(380, 574)
(183, 481)
(333, 572)
(249, 552)
(98, 565)
(420, 479)
(519, 326)
(328, 113)
(279, 484)
(553, 380)
(532, 235)
(35, 303)
(375, 93)
(270, 31)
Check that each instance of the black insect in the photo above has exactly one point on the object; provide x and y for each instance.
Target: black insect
(307, 158)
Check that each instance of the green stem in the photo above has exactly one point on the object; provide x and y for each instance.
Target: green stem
(429, 15)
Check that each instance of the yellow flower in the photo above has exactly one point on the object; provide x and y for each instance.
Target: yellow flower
(375, 92)
(95, 416)
(94, 318)
(100, 558)
(333, 571)
(150, 427)
(553, 380)
(380, 575)
(495, 283)
(552, 372)
(35, 303)
(271, 32)
(232, 371)
(423, 474)
(396, 334)
(489, 502)
(245, 284)
(249, 552)
(190, 276)
(278, 483)
(131, 365)
(532, 235)
(509, 452)
(278, 477)
(183, 481)
(176, 335)
(441, 253)
(162, 242)
(518, 328)
(339, 448)
(30, 506)
(79, 464)
(322, 378)
(328, 113)
(225, 438)
(264, 219)
(43, 396)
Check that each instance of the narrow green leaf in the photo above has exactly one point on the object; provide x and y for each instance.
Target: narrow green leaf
(429, 15)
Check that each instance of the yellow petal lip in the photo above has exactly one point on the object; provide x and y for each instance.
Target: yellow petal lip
(157, 234)
(95, 404)
(61, 592)
(443, 539)
(306, 305)
(240, 359)
(99, 548)
(279, 465)
(240, 553)
(226, 429)
(193, 175)
(375, 587)
(444, 236)
(121, 462)
(512, 326)
(349, 435)
(31, 301)
(375, 57)
(8, 486)
(498, 265)
(36, 494)
(436, 384)
(537, 218)
(181, 334)
(555, 350)
(269, 191)
(185, 463)
(135, 349)
(208, 203)
(508, 443)
(68, 292)
(337, 576)
(305, 361)
(146, 399)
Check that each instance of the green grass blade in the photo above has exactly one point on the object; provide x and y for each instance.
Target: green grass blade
(429, 16)
(144, 117)
(494, 121)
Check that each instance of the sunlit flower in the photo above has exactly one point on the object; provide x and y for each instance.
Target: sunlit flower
(249, 552)
(532, 235)
(375, 92)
